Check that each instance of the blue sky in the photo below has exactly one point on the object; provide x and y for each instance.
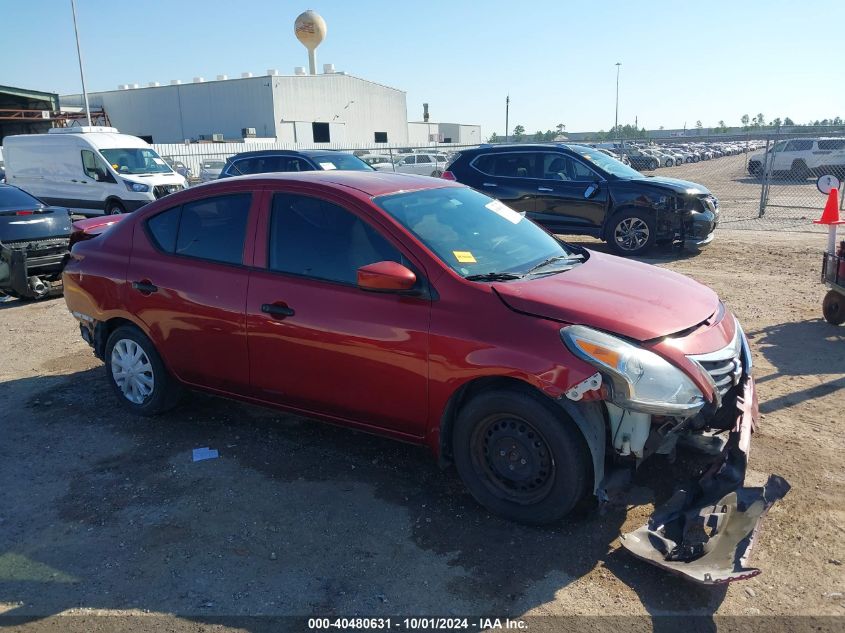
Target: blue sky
(681, 61)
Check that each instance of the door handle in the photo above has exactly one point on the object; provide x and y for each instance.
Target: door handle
(276, 310)
(488, 184)
(545, 189)
(144, 287)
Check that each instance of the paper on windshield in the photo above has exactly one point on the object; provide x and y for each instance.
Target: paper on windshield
(158, 161)
(505, 211)
(464, 257)
(328, 166)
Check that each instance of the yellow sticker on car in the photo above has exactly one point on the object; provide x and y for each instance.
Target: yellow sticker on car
(464, 257)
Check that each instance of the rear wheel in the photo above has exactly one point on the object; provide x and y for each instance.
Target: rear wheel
(833, 307)
(631, 233)
(519, 458)
(653, 164)
(799, 170)
(113, 207)
(137, 374)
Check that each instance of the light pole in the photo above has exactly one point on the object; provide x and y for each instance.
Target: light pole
(79, 55)
(616, 119)
(507, 112)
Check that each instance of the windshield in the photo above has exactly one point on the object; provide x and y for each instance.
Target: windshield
(606, 163)
(135, 160)
(471, 233)
(14, 198)
(346, 162)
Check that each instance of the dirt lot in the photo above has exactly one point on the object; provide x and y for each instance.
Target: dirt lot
(102, 513)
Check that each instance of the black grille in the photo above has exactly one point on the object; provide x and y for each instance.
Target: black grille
(725, 373)
(159, 191)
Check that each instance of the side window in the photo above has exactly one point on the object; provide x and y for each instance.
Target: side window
(798, 146)
(509, 164)
(315, 238)
(830, 144)
(562, 167)
(214, 228)
(164, 227)
(94, 168)
(423, 158)
(409, 160)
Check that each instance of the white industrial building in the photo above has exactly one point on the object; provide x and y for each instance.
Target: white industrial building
(332, 108)
(426, 132)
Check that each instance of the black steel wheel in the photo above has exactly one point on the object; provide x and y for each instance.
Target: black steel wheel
(520, 456)
(833, 307)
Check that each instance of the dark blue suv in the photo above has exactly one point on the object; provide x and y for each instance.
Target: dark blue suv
(578, 189)
(282, 160)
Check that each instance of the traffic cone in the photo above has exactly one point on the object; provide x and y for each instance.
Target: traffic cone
(830, 215)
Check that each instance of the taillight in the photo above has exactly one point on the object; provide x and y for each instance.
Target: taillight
(448, 175)
(25, 213)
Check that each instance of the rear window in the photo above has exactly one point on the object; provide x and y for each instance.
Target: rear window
(508, 164)
(347, 162)
(14, 198)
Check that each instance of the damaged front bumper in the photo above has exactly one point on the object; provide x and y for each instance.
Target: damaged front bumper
(28, 267)
(705, 531)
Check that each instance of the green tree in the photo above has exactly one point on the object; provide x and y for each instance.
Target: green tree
(518, 133)
(788, 121)
(776, 122)
(561, 128)
(837, 121)
(494, 138)
(761, 120)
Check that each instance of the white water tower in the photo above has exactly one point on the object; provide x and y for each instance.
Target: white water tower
(310, 29)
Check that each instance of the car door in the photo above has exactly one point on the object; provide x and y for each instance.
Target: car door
(90, 183)
(317, 342)
(507, 176)
(425, 165)
(570, 195)
(187, 283)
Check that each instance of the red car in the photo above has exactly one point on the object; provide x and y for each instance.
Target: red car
(423, 310)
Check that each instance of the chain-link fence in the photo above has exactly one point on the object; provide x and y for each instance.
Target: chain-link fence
(762, 179)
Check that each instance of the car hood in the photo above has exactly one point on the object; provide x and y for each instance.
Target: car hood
(676, 185)
(635, 300)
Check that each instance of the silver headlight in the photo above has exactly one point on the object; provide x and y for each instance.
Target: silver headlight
(641, 380)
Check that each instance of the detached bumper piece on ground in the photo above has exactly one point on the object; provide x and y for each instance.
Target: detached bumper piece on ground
(706, 531)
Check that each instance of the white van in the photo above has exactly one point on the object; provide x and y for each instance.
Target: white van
(91, 170)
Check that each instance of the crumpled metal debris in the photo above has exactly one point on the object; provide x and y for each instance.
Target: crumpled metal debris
(706, 531)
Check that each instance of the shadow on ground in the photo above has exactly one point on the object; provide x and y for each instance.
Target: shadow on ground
(103, 510)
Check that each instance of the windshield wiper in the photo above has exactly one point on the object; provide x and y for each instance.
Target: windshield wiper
(493, 276)
(574, 259)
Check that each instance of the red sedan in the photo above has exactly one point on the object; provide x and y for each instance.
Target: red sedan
(423, 310)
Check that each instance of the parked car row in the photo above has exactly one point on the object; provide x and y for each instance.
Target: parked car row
(648, 157)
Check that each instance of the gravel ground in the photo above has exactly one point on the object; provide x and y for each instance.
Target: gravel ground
(105, 514)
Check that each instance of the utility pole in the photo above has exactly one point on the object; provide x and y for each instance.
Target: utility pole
(79, 55)
(616, 119)
(507, 112)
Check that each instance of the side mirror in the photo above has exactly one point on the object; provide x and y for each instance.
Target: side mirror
(386, 277)
(591, 190)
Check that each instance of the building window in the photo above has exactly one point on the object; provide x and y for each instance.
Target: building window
(448, 139)
(381, 137)
(321, 132)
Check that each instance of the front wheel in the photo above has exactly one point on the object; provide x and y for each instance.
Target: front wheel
(113, 207)
(137, 374)
(519, 458)
(653, 165)
(833, 308)
(631, 233)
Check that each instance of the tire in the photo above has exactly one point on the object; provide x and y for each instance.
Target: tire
(799, 170)
(833, 307)
(754, 168)
(670, 163)
(631, 233)
(113, 207)
(436, 173)
(157, 391)
(519, 458)
(653, 164)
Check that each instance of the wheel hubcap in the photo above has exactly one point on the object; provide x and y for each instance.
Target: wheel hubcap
(631, 234)
(514, 458)
(132, 371)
